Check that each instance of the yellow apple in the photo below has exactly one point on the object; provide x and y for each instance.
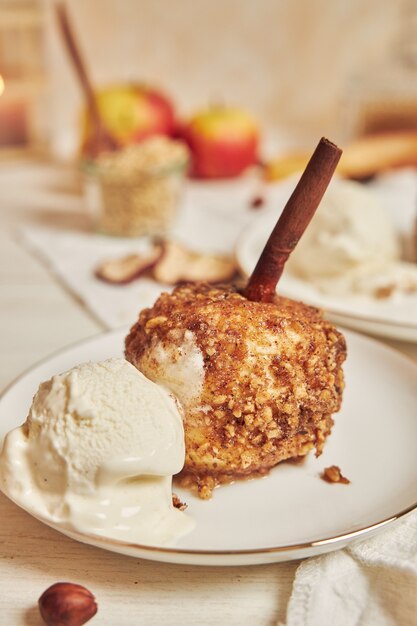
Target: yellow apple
(132, 112)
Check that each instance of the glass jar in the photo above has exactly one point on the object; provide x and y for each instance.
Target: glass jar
(137, 191)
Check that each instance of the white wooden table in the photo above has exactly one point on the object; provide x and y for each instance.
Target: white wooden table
(37, 317)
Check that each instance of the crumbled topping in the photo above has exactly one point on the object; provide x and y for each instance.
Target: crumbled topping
(333, 474)
(272, 378)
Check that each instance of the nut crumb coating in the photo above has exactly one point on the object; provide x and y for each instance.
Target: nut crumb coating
(272, 378)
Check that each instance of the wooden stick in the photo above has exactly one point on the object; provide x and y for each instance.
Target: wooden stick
(77, 60)
(102, 140)
(293, 221)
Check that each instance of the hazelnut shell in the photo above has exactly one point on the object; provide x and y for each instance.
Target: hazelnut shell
(67, 604)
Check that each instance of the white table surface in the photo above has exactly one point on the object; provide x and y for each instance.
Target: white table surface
(38, 317)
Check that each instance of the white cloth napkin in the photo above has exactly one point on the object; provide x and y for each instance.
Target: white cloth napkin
(211, 219)
(371, 583)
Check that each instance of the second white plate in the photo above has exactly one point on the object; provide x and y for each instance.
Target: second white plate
(395, 318)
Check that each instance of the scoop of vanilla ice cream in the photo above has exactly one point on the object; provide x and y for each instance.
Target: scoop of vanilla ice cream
(97, 453)
(351, 229)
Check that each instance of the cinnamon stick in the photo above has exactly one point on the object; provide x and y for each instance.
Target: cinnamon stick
(293, 221)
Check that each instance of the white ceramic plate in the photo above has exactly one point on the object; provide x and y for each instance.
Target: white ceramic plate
(394, 317)
(291, 513)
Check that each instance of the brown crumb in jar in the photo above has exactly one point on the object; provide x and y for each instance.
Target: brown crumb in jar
(333, 474)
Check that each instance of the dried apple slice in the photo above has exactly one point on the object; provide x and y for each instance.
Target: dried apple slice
(210, 268)
(125, 270)
(178, 264)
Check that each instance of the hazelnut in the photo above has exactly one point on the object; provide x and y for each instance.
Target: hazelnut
(67, 604)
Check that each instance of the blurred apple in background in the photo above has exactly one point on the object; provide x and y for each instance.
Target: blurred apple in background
(133, 112)
(223, 141)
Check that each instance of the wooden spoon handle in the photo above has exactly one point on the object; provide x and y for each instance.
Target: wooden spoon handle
(77, 60)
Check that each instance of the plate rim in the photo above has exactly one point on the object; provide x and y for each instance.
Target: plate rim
(296, 547)
(106, 542)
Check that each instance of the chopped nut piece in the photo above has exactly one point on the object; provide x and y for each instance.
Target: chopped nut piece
(177, 503)
(273, 434)
(130, 267)
(156, 321)
(205, 492)
(230, 429)
(333, 474)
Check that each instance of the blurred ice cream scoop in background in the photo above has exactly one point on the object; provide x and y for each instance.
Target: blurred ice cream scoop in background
(351, 246)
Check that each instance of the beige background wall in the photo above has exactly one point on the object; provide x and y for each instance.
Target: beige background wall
(292, 62)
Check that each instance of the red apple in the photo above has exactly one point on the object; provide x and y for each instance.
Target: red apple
(133, 112)
(223, 142)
